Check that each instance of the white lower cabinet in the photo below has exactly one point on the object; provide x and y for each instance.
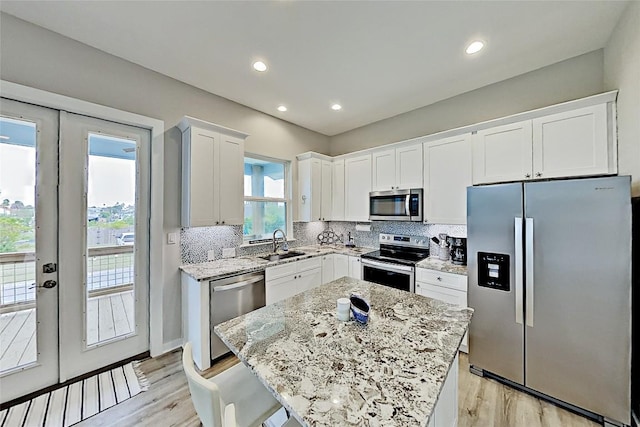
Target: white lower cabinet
(340, 266)
(447, 287)
(328, 268)
(445, 413)
(355, 267)
(287, 280)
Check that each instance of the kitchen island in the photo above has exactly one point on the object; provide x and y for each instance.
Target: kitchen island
(395, 371)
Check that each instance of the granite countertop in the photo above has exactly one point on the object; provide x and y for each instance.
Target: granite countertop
(445, 266)
(326, 372)
(226, 267)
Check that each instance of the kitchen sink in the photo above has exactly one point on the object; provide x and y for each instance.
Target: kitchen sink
(278, 257)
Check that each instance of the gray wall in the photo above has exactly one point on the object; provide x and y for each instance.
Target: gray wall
(571, 79)
(35, 57)
(622, 71)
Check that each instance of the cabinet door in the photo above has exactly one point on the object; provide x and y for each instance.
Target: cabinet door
(230, 184)
(199, 188)
(409, 167)
(325, 192)
(337, 193)
(357, 187)
(355, 267)
(446, 409)
(316, 189)
(572, 143)
(279, 289)
(341, 266)
(503, 153)
(447, 174)
(308, 280)
(384, 170)
(328, 268)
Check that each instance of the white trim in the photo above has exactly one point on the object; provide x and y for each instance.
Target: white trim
(172, 345)
(188, 121)
(156, 239)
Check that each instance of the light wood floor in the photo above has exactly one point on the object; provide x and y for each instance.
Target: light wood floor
(482, 402)
(108, 316)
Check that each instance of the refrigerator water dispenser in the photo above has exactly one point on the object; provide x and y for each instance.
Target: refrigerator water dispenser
(493, 271)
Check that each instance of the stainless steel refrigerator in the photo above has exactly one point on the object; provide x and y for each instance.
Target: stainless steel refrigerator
(550, 281)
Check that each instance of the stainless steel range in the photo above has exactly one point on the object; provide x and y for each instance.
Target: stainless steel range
(394, 264)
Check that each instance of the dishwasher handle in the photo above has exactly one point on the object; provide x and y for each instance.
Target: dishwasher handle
(238, 285)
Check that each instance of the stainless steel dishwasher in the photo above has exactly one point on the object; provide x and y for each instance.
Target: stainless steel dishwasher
(233, 297)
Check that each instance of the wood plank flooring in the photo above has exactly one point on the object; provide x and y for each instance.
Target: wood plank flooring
(482, 402)
(108, 316)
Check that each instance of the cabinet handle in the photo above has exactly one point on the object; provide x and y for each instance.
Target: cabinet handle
(223, 222)
(538, 174)
(440, 278)
(217, 222)
(528, 175)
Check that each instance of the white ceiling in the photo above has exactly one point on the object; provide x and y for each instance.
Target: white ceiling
(377, 59)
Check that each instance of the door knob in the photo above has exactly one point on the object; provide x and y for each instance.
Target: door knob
(48, 284)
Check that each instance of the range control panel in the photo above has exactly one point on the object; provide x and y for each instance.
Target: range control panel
(493, 271)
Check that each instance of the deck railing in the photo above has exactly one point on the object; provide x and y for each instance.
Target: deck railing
(109, 269)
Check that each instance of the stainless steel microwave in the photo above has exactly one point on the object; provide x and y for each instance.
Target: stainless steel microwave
(396, 205)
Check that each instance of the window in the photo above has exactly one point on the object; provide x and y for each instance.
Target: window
(266, 198)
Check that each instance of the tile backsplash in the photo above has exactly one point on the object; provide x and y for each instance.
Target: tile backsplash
(196, 242)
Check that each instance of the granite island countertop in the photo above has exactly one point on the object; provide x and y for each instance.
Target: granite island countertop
(326, 372)
(227, 267)
(445, 266)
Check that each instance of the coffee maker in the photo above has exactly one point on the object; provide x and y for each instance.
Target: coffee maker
(458, 250)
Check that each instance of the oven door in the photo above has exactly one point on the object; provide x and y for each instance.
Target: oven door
(393, 275)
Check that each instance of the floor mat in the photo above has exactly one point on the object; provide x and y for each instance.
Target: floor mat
(78, 401)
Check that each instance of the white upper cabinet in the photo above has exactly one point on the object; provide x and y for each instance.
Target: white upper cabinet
(503, 153)
(357, 171)
(409, 167)
(447, 174)
(577, 139)
(384, 170)
(326, 190)
(212, 174)
(314, 186)
(397, 168)
(337, 191)
(573, 143)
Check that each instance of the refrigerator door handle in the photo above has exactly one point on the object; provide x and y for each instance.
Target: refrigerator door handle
(529, 269)
(518, 272)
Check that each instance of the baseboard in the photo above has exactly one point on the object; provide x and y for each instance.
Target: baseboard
(172, 345)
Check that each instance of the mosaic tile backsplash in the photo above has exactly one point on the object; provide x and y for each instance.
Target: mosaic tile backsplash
(196, 242)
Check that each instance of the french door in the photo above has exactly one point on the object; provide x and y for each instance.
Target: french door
(76, 251)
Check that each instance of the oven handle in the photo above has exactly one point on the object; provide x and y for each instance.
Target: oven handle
(387, 266)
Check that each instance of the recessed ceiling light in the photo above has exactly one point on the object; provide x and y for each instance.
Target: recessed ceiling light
(336, 107)
(474, 47)
(282, 108)
(259, 66)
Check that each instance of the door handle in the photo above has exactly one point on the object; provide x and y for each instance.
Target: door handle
(407, 205)
(238, 285)
(529, 269)
(48, 284)
(519, 272)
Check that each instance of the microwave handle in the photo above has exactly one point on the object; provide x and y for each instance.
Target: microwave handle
(407, 205)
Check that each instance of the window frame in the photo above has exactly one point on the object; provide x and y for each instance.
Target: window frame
(287, 200)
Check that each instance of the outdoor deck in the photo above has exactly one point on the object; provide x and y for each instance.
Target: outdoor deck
(108, 316)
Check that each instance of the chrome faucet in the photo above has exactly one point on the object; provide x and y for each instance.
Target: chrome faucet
(285, 245)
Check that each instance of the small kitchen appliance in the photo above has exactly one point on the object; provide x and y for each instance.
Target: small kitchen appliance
(394, 264)
(458, 250)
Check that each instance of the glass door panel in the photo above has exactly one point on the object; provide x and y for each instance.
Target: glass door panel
(111, 219)
(28, 248)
